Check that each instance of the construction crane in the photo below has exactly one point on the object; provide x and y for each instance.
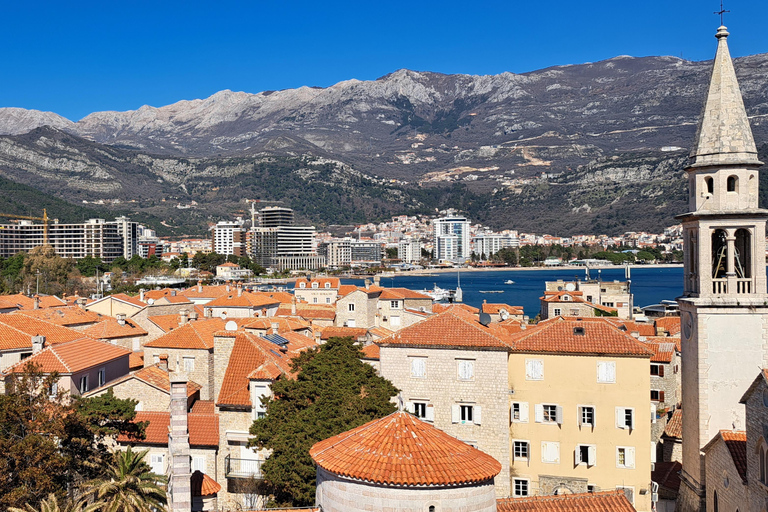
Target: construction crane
(44, 218)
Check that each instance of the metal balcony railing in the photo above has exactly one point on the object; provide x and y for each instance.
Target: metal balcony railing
(242, 468)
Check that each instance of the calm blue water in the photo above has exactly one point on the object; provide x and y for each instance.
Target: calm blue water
(649, 284)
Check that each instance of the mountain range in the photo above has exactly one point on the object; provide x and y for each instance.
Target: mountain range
(596, 147)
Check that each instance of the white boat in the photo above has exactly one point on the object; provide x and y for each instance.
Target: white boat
(438, 294)
(509, 281)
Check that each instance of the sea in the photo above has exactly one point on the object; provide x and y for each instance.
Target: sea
(650, 284)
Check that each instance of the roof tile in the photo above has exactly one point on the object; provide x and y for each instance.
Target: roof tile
(203, 429)
(608, 501)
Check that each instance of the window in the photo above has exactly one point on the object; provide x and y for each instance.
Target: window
(314, 285)
(625, 417)
(521, 487)
(606, 372)
(657, 370)
(715, 503)
(710, 185)
(156, 358)
(327, 300)
(102, 376)
(394, 304)
(534, 369)
(157, 463)
(83, 384)
(302, 285)
(657, 396)
(466, 369)
(351, 322)
(625, 457)
(591, 488)
(327, 285)
(732, 184)
(521, 450)
(420, 409)
(518, 412)
(589, 298)
(350, 307)
(550, 452)
(549, 413)
(53, 389)
(394, 321)
(557, 312)
(189, 364)
(465, 413)
(198, 464)
(586, 416)
(314, 300)
(585, 454)
(419, 367)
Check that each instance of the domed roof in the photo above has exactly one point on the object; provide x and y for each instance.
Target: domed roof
(203, 485)
(400, 449)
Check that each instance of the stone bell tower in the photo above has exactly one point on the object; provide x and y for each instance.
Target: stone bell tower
(724, 307)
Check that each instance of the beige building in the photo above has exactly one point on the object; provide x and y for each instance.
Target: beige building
(611, 294)
(571, 303)
(320, 290)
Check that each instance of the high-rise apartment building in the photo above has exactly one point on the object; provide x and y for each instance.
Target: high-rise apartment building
(274, 216)
(277, 243)
(229, 238)
(409, 250)
(452, 239)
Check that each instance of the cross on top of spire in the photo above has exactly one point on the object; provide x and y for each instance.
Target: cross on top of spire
(721, 12)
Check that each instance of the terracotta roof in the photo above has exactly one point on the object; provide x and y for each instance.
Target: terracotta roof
(124, 298)
(380, 332)
(371, 352)
(641, 328)
(283, 297)
(203, 429)
(136, 360)
(283, 324)
(608, 501)
(252, 357)
(157, 377)
(65, 315)
(298, 342)
(203, 485)
(197, 335)
(13, 339)
(400, 449)
(674, 426)
(203, 407)
(439, 308)
(172, 299)
(671, 324)
(667, 475)
(402, 293)
(736, 441)
(346, 289)
(342, 332)
(333, 281)
(512, 326)
(453, 328)
(109, 328)
(205, 292)
(228, 264)
(246, 300)
(663, 348)
(578, 336)
(565, 297)
(33, 326)
(21, 301)
(495, 309)
(166, 323)
(309, 311)
(72, 357)
(156, 294)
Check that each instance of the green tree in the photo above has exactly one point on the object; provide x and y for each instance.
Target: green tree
(43, 264)
(391, 253)
(128, 485)
(51, 504)
(89, 265)
(333, 392)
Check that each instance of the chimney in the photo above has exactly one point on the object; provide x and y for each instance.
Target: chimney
(38, 343)
(180, 486)
(163, 361)
(173, 293)
(377, 280)
(141, 294)
(120, 319)
(275, 327)
(208, 312)
(367, 282)
(199, 287)
(193, 316)
(293, 305)
(183, 317)
(228, 287)
(239, 290)
(82, 301)
(36, 301)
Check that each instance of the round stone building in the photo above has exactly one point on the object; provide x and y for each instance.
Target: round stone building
(404, 464)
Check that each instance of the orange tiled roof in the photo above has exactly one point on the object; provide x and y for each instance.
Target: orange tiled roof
(157, 294)
(402, 294)
(439, 308)
(372, 352)
(252, 357)
(561, 335)
(136, 360)
(342, 332)
(197, 335)
(663, 348)
(282, 297)
(246, 300)
(72, 357)
(109, 329)
(203, 407)
(641, 328)
(228, 264)
(736, 441)
(674, 426)
(667, 475)
(65, 315)
(333, 281)
(166, 323)
(33, 326)
(346, 289)
(203, 485)
(309, 311)
(380, 332)
(453, 328)
(495, 309)
(298, 342)
(205, 292)
(607, 501)
(284, 324)
(21, 301)
(671, 324)
(173, 299)
(400, 449)
(13, 339)
(157, 377)
(203, 429)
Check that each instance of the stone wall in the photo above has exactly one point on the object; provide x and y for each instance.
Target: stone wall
(337, 494)
(723, 478)
(757, 434)
(202, 366)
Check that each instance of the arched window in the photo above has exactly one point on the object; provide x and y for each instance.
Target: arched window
(743, 254)
(431, 508)
(719, 254)
(733, 184)
(710, 185)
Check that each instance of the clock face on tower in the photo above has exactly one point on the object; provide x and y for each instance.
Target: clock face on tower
(687, 324)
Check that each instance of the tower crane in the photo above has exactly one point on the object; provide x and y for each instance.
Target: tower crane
(44, 218)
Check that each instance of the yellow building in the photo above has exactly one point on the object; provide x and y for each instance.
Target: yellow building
(580, 417)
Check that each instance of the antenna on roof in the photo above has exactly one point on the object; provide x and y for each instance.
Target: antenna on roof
(485, 319)
(721, 12)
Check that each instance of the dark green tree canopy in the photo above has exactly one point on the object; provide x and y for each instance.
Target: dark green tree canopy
(334, 391)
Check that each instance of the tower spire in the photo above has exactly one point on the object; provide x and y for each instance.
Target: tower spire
(724, 137)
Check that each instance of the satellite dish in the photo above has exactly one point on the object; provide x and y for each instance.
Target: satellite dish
(559, 288)
(231, 325)
(503, 314)
(485, 319)
(150, 301)
(570, 287)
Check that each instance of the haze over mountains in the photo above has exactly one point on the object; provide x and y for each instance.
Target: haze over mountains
(611, 135)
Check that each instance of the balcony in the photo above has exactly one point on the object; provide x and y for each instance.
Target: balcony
(721, 286)
(242, 468)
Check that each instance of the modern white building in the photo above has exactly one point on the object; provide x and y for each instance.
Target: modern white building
(409, 250)
(228, 238)
(452, 242)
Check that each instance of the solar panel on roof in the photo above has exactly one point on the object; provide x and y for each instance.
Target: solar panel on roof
(276, 339)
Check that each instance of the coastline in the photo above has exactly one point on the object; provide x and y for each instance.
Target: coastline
(428, 271)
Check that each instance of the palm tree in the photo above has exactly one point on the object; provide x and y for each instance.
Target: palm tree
(129, 485)
(51, 504)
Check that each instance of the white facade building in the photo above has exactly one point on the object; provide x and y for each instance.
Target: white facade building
(452, 242)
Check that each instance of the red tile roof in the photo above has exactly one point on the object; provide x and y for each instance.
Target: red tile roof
(172, 299)
(674, 426)
(309, 311)
(561, 335)
(109, 329)
(663, 348)
(283, 324)
(439, 308)
(203, 407)
(21, 301)
(671, 324)
(298, 342)
(136, 360)
(65, 316)
(736, 441)
(156, 377)
(495, 309)
(203, 485)
(400, 449)
(156, 294)
(565, 297)
(197, 335)
(608, 501)
(452, 328)
(72, 357)
(346, 289)
(166, 323)
(33, 326)
(371, 352)
(205, 292)
(641, 328)
(246, 300)
(333, 281)
(402, 294)
(122, 297)
(342, 332)
(203, 429)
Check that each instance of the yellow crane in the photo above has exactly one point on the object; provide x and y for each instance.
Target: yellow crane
(44, 218)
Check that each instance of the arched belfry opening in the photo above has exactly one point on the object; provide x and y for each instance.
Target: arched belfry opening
(743, 254)
(732, 184)
(719, 254)
(710, 185)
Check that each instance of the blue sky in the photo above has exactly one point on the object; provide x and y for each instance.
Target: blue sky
(75, 58)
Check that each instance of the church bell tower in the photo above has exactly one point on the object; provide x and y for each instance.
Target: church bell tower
(724, 307)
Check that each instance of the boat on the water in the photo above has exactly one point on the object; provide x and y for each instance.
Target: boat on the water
(509, 281)
(438, 294)
(491, 291)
